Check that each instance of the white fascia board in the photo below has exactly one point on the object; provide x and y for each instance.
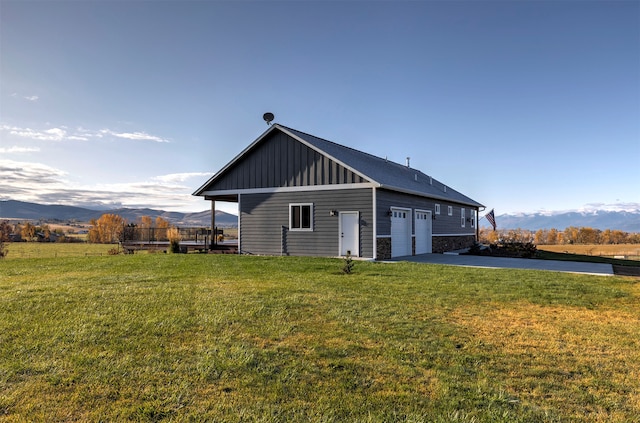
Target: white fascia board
(324, 153)
(289, 189)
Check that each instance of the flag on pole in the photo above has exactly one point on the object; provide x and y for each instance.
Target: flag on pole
(491, 218)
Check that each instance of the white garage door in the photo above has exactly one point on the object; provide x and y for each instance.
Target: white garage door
(423, 232)
(400, 232)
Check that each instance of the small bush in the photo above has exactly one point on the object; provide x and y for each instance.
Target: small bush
(348, 264)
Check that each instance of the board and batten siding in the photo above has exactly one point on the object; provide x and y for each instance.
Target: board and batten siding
(443, 223)
(281, 161)
(264, 222)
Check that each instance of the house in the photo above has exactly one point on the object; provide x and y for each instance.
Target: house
(298, 194)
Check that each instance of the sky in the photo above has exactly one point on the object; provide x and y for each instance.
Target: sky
(523, 106)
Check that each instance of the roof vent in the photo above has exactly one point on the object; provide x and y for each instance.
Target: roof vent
(408, 158)
(444, 187)
(416, 177)
(430, 180)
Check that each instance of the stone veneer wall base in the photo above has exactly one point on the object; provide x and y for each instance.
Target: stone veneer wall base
(442, 244)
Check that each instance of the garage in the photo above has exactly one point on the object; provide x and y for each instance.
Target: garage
(423, 231)
(400, 232)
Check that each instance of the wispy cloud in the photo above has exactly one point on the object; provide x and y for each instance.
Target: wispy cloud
(63, 133)
(175, 178)
(136, 136)
(51, 134)
(26, 97)
(16, 149)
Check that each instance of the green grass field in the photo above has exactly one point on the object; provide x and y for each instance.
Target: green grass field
(154, 337)
(22, 250)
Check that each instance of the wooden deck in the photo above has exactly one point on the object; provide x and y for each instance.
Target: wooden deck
(130, 247)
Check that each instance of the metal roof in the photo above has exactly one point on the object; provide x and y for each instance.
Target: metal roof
(382, 172)
(385, 173)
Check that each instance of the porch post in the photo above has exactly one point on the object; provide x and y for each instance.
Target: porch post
(214, 237)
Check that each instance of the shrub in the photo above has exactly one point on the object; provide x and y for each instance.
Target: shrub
(5, 231)
(511, 248)
(174, 240)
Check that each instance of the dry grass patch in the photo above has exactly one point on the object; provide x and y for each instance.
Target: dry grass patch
(631, 251)
(584, 361)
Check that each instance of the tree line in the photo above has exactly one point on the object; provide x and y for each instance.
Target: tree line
(570, 235)
(107, 229)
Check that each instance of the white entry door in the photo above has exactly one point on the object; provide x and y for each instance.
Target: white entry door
(400, 232)
(350, 233)
(423, 232)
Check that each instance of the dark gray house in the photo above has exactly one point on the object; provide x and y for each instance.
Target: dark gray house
(298, 194)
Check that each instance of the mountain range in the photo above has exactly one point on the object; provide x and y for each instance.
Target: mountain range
(628, 221)
(12, 209)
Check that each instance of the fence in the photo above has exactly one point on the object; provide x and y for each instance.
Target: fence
(150, 234)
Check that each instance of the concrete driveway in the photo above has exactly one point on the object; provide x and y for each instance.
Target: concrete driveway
(511, 263)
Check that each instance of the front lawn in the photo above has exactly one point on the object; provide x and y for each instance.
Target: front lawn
(273, 339)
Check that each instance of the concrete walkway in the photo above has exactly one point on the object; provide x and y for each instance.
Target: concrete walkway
(511, 263)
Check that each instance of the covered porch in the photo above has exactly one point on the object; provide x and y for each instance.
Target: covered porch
(224, 246)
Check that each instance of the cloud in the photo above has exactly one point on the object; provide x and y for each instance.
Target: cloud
(174, 178)
(26, 97)
(40, 183)
(52, 134)
(618, 206)
(136, 136)
(62, 133)
(16, 149)
(24, 176)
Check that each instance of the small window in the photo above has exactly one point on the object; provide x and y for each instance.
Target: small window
(437, 208)
(462, 218)
(450, 211)
(301, 217)
(473, 218)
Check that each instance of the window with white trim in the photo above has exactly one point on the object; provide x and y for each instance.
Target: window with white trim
(437, 208)
(450, 211)
(462, 221)
(473, 218)
(301, 217)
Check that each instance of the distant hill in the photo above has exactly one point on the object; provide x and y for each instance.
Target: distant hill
(627, 221)
(12, 209)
